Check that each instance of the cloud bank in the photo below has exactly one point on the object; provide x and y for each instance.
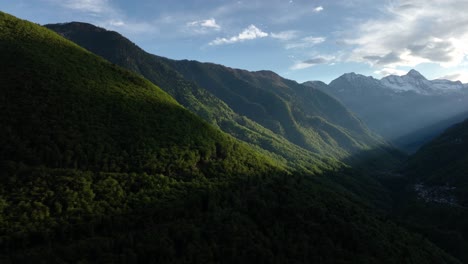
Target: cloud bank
(93, 6)
(250, 33)
(306, 42)
(285, 35)
(311, 62)
(318, 9)
(208, 23)
(410, 32)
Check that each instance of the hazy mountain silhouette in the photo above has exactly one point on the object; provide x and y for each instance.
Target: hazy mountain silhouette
(397, 106)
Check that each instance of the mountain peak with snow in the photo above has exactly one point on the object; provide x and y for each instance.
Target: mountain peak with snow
(415, 74)
(412, 81)
(356, 77)
(416, 82)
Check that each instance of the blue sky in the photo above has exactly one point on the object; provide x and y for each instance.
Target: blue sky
(300, 40)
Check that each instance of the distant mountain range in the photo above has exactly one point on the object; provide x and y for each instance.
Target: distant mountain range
(416, 82)
(397, 106)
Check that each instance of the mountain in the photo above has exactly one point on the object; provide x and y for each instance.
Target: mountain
(416, 82)
(100, 165)
(305, 116)
(99, 117)
(296, 123)
(397, 106)
(78, 134)
(119, 50)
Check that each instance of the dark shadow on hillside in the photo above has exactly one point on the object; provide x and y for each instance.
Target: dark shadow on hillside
(276, 218)
(404, 200)
(380, 158)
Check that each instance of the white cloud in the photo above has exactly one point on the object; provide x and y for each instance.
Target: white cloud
(306, 42)
(312, 62)
(284, 35)
(94, 6)
(116, 23)
(104, 14)
(456, 76)
(207, 24)
(301, 66)
(410, 32)
(126, 27)
(318, 9)
(389, 71)
(250, 33)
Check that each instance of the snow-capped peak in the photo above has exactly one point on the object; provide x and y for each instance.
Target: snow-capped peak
(352, 77)
(412, 81)
(415, 74)
(416, 82)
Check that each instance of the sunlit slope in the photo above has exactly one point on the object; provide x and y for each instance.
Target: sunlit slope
(298, 124)
(64, 107)
(121, 51)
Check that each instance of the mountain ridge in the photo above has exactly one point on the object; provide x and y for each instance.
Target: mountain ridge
(136, 101)
(241, 97)
(415, 81)
(411, 81)
(394, 113)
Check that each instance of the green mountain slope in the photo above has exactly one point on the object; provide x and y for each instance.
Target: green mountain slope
(64, 107)
(119, 50)
(432, 197)
(444, 162)
(123, 52)
(305, 116)
(99, 165)
(287, 119)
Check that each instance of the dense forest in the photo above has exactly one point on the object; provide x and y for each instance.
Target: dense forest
(435, 201)
(98, 164)
(297, 124)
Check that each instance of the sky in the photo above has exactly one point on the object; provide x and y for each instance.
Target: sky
(299, 39)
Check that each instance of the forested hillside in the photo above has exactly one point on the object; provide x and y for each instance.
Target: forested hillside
(444, 162)
(100, 165)
(298, 124)
(431, 194)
